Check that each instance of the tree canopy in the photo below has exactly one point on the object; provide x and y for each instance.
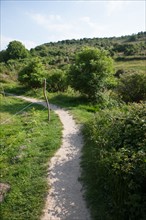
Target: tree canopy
(16, 50)
(89, 72)
(33, 74)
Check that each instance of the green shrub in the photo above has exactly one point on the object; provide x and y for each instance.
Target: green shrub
(32, 74)
(132, 87)
(91, 72)
(56, 81)
(114, 163)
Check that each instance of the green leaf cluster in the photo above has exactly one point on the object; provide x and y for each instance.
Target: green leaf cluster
(132, 87)
(56, 80)
(32, 74)
(89, 72)
(16, 50)
(114, 162)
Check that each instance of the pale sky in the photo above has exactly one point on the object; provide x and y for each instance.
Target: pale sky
(35, 22)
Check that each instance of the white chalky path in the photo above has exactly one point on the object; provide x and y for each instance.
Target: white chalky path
(65, 197)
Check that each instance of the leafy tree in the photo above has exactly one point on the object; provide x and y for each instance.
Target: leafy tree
(89, 73)
(16, 50)
(132, 87)
(32, 74)
(3, 56)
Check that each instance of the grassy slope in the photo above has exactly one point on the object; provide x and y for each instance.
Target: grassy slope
(138, 65)
(27, 143)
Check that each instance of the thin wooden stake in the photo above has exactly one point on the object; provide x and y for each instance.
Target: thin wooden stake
(47, 102)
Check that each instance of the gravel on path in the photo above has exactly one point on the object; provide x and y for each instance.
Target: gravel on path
(65, 197)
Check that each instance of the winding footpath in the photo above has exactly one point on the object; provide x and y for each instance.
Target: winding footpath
(65, 197)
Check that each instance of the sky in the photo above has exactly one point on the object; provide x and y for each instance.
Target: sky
(35, 22)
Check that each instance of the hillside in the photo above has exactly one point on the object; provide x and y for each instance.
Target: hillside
(132, 45)
(128, 53)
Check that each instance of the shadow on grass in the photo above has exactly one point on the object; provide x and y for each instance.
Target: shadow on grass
(13, 106)
(18, 90)
(64, 100)
(68, 101)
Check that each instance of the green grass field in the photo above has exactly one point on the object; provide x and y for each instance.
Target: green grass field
(27, 143)
(137, 65)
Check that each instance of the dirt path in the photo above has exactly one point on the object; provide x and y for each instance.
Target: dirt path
(65, 200)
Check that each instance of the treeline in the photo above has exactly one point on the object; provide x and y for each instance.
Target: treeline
(63, 51)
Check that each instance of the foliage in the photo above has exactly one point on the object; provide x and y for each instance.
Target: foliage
(3, 56)
(56, 81)
(132, 87)
(27, 143)
(16, 50)
(114, 163)
(89, 73)
(131, 49)
(65, 49)
(33, 74)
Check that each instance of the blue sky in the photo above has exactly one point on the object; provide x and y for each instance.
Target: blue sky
(38, 22)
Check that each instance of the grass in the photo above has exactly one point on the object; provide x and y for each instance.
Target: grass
(27, 143)
(138, 65)
(81, 109)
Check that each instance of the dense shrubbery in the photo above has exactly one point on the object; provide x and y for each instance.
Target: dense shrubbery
(114, 158)
(132, 87)
(56, 81)
(90, 72)
(33, 74)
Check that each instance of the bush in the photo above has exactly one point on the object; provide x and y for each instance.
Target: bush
(91, 72)
(114, 163)
(56, 81)
(33, 74)
(132, 87)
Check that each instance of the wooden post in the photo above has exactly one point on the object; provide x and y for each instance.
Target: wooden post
(47, 102)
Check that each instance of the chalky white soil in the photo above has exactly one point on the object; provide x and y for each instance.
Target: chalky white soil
(65, 197)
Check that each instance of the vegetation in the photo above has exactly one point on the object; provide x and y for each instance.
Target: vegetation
(89, 73)
(114, 133)
(15, 50)
(27, 142)
(33, 74)
(114, 163)
(56, 81)
(132, 87)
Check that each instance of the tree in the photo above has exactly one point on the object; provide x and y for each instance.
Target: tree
(32, 74)
(16, 50)
(89, 73)
(3, 56)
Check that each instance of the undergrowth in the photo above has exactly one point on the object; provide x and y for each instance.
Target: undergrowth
(114, 163)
